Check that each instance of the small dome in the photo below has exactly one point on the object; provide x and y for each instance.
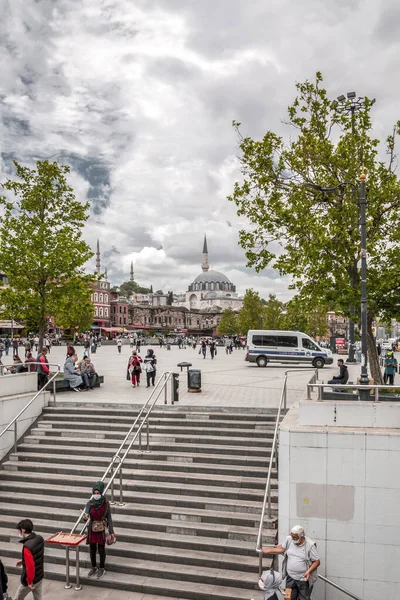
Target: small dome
(211, 277)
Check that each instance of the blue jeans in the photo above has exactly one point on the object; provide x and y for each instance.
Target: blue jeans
(89, 380)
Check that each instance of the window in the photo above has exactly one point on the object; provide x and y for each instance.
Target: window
(124, 309)
(124, 320)
(120, 309)
(264, 340)
(309, 344)
(100, 311)
(96, 311)
(287, 341)
(100, 297)
(120, 320)
(106, 312)
(96, 297)
(105, 297)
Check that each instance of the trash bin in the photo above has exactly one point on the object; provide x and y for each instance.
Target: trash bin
(194, 380)
(175, 387)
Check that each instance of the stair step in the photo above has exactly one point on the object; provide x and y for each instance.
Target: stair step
(158, 588)
(184, 476)
(133, 497)
(190, 446)
(185, 462)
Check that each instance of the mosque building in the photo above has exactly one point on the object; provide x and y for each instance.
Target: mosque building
(210, 290)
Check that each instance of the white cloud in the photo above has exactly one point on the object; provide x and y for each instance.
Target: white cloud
(138, 97)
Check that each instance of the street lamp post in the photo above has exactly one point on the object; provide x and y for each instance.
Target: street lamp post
(364, 379)
(351, 105)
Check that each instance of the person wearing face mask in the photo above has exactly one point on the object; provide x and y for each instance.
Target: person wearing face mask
(98, 513)
(300, 563)
(31, 562)
(270, 582)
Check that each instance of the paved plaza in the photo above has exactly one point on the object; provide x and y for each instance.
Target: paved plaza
(226, 381)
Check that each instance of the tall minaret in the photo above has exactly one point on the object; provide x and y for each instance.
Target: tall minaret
(204, 264)
(105, 274)
(132, 271)
(98, 258)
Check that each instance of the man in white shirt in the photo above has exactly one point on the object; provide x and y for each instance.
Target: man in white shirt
(300, 563)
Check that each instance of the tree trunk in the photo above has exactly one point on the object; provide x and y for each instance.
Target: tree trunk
(375, 368)
(42, 330)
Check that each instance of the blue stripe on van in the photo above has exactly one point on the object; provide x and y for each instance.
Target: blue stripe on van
(280, 353)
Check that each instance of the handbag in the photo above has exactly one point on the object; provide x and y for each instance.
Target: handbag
(110, 539)
(98, 526)
(128, 375)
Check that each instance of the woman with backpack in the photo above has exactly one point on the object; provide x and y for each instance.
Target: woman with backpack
(134, 368)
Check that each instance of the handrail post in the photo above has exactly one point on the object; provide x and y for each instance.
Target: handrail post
(269, 501)
(15, 437)
(121, 493)
(67, 580)
(148, 434)
(260, 563)
(165, 389)
(77, 582)
(140, 439)
(54, 391)
(285, 393)
(112, 501)
(320, 389)
(376, 394)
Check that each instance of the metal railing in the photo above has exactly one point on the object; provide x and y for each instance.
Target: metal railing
(44, 388)
(274, 459)
(339, 587)
(350, 386)
(115, 466)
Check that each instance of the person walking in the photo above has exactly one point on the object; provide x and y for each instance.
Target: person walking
(47, 343)
(270, 582)
(300, 563)
(7, 344)
(119, 344)
(32, 562)
(98, 513)
(213, 349)
(150, 362)
(390, 368)
(3, 582)
(27, 347)
(134, 368)
(43, 369)
(71, 374)
(15, 346)
(204, 348)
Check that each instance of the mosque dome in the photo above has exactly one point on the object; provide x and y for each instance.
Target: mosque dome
(211, 276)
(211, 281)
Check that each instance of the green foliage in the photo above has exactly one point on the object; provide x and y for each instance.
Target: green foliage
(228, 324)
(300, 316)
(273, 313)
(251, 315)
(316, 239)
(77, 313)
(41, 247)
(129, 288)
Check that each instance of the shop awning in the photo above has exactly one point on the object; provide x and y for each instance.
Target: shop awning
(10, 325)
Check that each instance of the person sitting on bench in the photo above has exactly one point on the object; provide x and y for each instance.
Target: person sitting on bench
(88, 373)
(343, 376)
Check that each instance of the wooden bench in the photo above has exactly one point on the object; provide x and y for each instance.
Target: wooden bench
(62, 385)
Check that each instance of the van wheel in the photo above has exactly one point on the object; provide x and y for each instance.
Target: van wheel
(318, 363)
(261, 361)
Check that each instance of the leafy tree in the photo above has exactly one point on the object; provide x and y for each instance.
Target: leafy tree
(78, 314)
(41, 247)
(273, 313)
(129, 288)
(170, 299)
(252, 313)
(300, 316)
(317, 237)
(228, 324)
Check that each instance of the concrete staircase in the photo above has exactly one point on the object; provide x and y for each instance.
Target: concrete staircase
(188, 528)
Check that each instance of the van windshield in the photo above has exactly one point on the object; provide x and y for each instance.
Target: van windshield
(309, 344)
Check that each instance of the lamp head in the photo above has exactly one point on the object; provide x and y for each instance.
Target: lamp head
(341, 98)
(351, 95)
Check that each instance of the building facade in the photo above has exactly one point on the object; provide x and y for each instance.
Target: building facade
(101, 296)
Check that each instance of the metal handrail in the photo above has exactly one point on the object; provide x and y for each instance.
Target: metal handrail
(350, 386)
(15, 419)
(117, 461)
(274, 457)
(338, 587)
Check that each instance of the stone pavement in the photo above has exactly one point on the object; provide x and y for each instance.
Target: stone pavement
(226, 381)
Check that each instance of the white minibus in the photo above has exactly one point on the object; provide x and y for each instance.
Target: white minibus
(264, 346)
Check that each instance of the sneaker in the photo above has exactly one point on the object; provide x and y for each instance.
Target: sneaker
(76, 389)
(100, 573)
(92, 572)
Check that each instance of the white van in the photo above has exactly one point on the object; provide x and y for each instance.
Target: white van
(264, 346)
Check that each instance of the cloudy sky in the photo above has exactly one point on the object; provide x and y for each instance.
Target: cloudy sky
(138, 97)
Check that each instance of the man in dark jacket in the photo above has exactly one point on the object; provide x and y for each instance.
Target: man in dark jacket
(343, 376)
(3, 581)
(32, 561)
